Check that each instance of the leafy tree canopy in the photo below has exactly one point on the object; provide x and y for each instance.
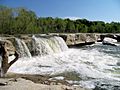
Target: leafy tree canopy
(24, 21)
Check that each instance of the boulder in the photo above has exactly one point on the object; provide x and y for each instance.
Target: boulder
(91, 37)
(118, 37)
(102, 36)
(79, 38)
(70, 39)
(9, 47)
(109, 41)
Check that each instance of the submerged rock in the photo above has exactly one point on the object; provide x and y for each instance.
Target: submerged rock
(107, 85)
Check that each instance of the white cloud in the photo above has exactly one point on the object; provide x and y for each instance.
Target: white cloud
(71, 18)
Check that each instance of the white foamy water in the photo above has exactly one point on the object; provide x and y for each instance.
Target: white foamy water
(88, 63)
(91, 63)
(48, 45)
(22, 48)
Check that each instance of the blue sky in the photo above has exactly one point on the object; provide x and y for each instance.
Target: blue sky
(103, 10)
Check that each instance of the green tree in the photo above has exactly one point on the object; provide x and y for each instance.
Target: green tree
(6, 19)
(70, 27)
(60, 25)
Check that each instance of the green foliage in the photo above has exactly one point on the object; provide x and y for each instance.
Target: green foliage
(23, 21)
(60, 25)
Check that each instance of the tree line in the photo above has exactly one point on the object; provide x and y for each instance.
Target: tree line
(24, 21)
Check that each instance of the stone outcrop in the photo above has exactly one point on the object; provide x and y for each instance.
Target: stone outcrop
(79, 38)
(109, 41)
(8, 46)
(23, 84)
(6, 49)
(71, 39)
(75, 39)
(110, 35)
(87, 38)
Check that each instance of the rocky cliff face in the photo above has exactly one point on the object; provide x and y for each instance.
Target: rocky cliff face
(6, 49)
(78, 39)
(82, 38)
(70, 39)
(9, 46)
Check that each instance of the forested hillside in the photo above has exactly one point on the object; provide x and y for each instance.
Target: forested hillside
(24, 21)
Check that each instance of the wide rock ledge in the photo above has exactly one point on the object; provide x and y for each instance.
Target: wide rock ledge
(79, 38)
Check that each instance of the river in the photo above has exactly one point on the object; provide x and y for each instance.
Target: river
(96, 65)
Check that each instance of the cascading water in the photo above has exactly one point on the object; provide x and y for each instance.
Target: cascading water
(22, 48)
(45, 46)
(93, 64)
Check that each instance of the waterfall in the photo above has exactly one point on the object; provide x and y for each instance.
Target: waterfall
(48, 45)
(61, 43)
(40, 45)
(22, 48)
(93, 64)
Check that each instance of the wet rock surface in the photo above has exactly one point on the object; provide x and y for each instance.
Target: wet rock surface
(107, 85)
(34, 82)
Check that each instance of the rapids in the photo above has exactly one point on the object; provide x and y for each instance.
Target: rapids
(92, 64)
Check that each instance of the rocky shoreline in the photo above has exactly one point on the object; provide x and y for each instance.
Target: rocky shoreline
(34, 82)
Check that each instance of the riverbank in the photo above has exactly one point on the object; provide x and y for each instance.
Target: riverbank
(34, 82)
